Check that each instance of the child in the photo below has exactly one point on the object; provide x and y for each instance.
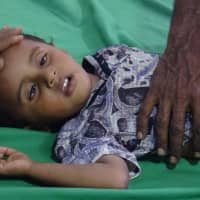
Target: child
(42, 86)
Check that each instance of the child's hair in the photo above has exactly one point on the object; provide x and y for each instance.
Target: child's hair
(6, 120)
(36, 39)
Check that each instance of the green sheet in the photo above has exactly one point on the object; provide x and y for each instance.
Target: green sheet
(81, 27)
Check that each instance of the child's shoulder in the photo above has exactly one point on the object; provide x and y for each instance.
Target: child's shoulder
(108, 59)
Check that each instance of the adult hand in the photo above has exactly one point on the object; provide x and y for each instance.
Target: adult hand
(9, 36)
(14, 163)
(175, 87)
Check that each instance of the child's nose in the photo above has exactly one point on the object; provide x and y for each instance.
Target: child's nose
(52, 78)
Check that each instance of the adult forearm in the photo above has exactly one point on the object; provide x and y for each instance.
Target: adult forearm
(185, 21)
(175, 84)
(186, 5)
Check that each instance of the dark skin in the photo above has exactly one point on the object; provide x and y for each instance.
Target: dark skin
(180, 90)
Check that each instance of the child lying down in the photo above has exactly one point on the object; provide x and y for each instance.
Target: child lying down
(96, 106)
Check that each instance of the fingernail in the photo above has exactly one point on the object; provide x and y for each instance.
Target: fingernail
(197, 154)
(161, 152)
(18, 38)
(173, 160)
(139, 135)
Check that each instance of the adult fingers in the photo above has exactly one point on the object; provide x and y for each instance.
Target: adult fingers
(7, 31)
(176, 132)
(144, 114)
(162, 124)
(151, 98)
(9, 37)
(7, 42)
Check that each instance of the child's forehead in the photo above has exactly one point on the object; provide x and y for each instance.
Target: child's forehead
(21, 50)
(24, 45)
(17, 57)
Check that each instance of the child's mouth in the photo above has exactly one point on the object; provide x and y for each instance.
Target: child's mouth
(68, 85)
(65, 84)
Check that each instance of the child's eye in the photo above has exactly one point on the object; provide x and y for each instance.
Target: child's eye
(32, 92)
(43, 60)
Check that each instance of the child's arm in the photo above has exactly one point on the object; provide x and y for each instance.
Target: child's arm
(108, 172)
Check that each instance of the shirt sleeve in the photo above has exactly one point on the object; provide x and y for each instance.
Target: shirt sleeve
(89, 150)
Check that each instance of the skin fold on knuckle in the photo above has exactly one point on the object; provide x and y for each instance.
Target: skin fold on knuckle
(176, 130)
(175, 147)
(161, 122)
(161, 139)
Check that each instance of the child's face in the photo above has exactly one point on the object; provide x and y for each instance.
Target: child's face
(40, 83)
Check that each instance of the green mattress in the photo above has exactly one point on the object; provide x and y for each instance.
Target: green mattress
(81, 27)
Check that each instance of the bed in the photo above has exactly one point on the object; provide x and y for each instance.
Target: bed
(81, 27)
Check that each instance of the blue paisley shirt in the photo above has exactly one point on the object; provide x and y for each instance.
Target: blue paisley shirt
(107, 123)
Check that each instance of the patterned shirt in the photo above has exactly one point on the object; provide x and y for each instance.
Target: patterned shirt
(107, 123)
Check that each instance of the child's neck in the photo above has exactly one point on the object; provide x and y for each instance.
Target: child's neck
(94, 79)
